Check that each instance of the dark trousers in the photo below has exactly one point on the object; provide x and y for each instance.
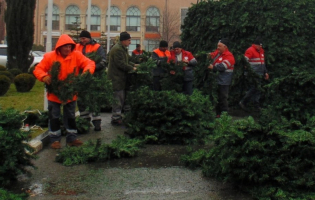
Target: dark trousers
(54, 110)
(223, 95)
(156, 83)
(252, 94)
(188, 87)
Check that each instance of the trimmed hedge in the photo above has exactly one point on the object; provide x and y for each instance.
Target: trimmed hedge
(5, 83)
(242, 21)
(15, 72)
(8, 74)
(24, 82)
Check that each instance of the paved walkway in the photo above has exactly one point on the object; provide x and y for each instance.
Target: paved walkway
(156, 174)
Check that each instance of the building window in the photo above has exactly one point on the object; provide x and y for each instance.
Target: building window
(133, 19)
(72, 17)
(132, 46)
(53, 42)
(152, 20)
(183, 13)
(95, 18)
(150, 45)
(55, 17)
(114, 18)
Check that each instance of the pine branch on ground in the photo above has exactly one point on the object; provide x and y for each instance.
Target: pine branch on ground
(95, 151)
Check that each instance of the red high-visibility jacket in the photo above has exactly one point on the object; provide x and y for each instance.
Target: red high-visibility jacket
(137, 53)
(224, 63)
(256, 59)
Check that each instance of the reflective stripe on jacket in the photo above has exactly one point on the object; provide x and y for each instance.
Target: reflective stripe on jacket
(256, 59)
(74, 60)
(224, 64)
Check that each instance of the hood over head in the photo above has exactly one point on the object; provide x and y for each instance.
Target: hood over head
(64, 39)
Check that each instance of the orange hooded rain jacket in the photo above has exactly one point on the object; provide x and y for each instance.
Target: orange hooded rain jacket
(74, 60)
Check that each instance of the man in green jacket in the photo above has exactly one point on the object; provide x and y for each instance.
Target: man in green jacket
(118, 68)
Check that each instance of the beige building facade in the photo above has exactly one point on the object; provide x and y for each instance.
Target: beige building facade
(148, 21)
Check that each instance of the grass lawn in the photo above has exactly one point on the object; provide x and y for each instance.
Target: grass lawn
(24, 100)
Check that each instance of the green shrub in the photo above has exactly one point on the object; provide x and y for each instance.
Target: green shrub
(11, 119)
(293, 94)
(5, 83)
(15, 72)
(97, 91)
(141, 77)
(264, 160)
(13, 156)
(24, 82)
(43, 119)
(6, 195)
(169, 116)
(8, 74)
(3, 68)
(206, 23)
(83, 126)
(98, 152)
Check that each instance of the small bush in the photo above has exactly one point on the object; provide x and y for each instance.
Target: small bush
(15, 72)
(6, 195)
(169, 116)
(273, 161)
(8, 74)
(83, 126)
(24, 82)
(13, 156)
(5, 83)
(3, 68)
(92, 151)
(43, 119)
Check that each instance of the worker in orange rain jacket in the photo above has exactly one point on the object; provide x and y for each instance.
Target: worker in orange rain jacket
(160, 55)
(223, 62)
(180, 55)
(88, 45)
(70, 60)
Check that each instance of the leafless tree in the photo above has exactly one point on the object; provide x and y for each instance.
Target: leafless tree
(170, 21)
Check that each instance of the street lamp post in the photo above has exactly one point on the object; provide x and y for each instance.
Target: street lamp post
(48, 41)
(88, 20)
(108, 26)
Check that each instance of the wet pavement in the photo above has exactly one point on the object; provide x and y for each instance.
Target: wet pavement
(155, 174)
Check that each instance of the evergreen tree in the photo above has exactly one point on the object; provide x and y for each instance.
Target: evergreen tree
(19, 19)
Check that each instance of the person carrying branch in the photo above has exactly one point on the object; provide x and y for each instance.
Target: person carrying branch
(71, 61)
(178, 54)
(223, 62)
(88, 46)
